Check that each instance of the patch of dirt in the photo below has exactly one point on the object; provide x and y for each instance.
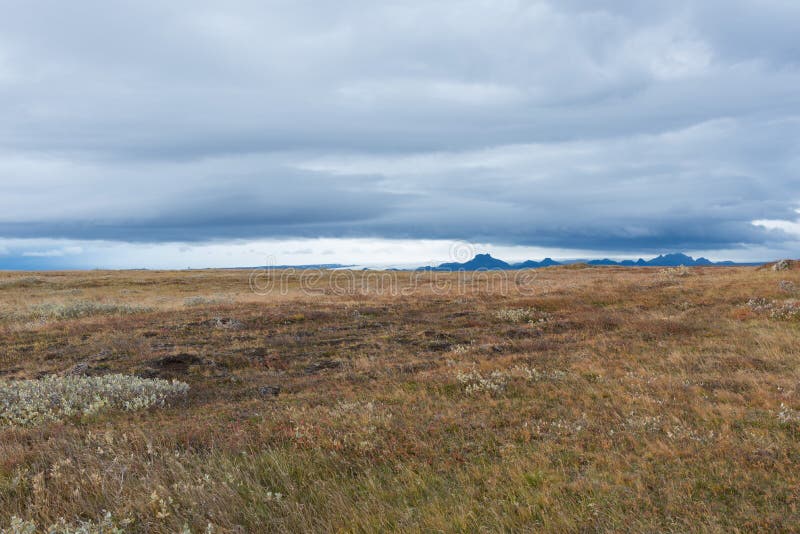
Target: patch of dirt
(171, 366)
(177, 362)
(85, 369)
(414, 368)
(322, 365)
(439, 346)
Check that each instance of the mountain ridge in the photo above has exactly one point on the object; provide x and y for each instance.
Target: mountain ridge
(486, 262)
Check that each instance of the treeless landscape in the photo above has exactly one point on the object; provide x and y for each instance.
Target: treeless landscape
(566, 399)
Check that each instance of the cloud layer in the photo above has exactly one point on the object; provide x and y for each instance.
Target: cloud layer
(578, 125)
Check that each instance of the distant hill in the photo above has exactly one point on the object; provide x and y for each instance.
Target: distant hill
(481, 262)
(530, 264)
(485, 262)
(675, 260)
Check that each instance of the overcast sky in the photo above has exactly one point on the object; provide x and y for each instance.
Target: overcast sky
(193, 133)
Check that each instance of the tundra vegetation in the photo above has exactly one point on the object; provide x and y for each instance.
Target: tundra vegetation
(580, 399)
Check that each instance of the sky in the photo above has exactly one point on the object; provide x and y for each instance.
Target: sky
(219, 134)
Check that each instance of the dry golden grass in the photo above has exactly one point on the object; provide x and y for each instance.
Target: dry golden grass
(595, 399)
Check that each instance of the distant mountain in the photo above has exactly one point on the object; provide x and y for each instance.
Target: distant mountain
(678, 259)
(485, 262)
(481, 262)
(675, 260)
(530, 264)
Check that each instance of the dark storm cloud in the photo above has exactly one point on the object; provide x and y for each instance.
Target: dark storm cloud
(617, 125)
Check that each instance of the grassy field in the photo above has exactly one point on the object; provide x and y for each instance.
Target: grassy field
(565, 400)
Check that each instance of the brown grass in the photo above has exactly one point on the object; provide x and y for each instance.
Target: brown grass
(641, 401)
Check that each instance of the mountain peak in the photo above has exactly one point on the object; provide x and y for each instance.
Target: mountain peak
(480, 262)
(673, 259)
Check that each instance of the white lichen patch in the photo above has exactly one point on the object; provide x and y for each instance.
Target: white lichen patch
(785, 310)
(496, 381)
(474, 382)
(106, 525)
(671, 273)
(55, 398)
(83, 308)
(521, 315)
(46, 312)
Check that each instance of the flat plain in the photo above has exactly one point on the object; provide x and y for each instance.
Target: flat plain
(569, 399)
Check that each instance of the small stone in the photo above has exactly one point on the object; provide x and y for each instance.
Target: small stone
(80, 369)
(269, 391)
(227, 323)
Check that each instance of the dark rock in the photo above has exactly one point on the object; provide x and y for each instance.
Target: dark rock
(440, 346)
(269, 391)
(149, 373)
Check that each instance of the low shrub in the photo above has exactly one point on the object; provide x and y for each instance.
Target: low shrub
(521, 315)
(106, 525)
(673, 272)
(81, 308)
(199, 300)
(787, 310)
(55, 398)
(17, 282)
(474, 382)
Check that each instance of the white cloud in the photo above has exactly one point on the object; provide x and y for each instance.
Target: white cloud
(790, 227)
(53, 253)
(435, 92)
